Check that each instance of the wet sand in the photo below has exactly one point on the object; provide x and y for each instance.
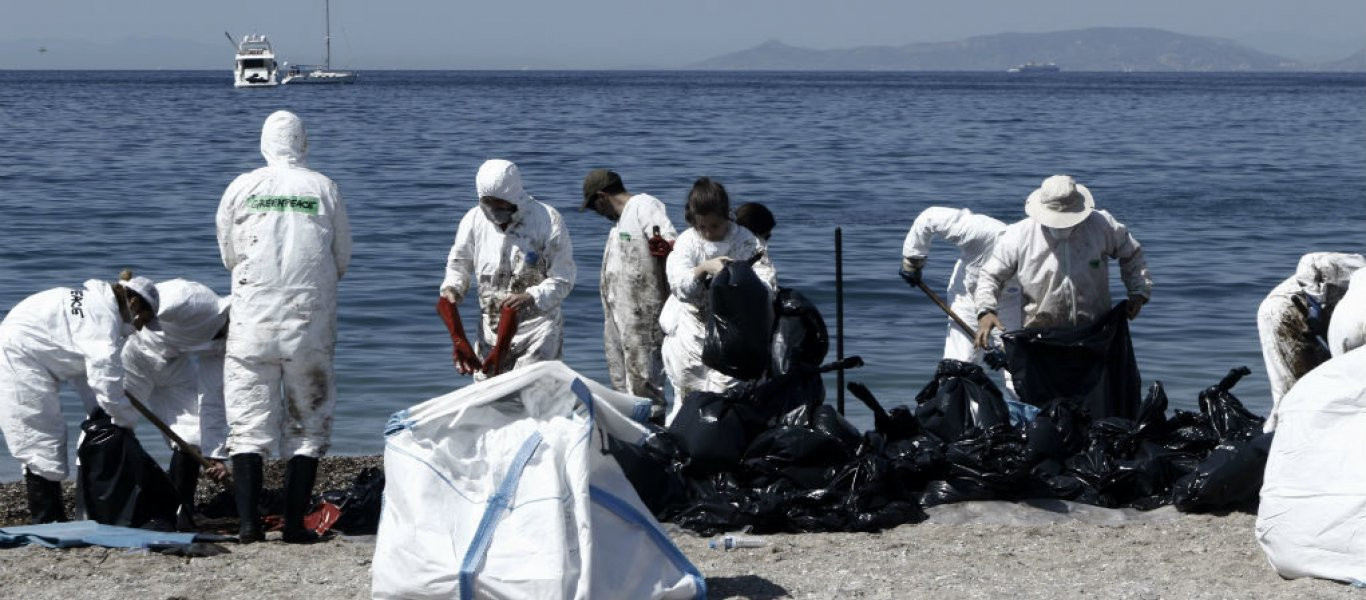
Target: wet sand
(980, 550)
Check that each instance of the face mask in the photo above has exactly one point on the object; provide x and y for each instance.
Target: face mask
(1061, 234)
(499, 216)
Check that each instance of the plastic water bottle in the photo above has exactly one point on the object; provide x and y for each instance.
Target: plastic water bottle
(731, 542)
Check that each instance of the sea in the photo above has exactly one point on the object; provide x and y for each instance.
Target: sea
(1225, 180)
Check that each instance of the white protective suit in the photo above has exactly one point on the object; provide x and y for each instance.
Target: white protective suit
(1347, 329)
(634, 288)
(533, 255)
(1064, 277)
(1282, 328)
(974, 236)
(283, 232)
(689, 306)
(62, 334)
(177, 370)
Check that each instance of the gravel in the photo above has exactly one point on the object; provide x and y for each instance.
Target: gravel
(974, 550)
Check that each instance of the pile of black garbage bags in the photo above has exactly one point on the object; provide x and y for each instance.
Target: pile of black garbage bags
(773, 457)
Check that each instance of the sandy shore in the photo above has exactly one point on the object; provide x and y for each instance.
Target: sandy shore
(978, 550)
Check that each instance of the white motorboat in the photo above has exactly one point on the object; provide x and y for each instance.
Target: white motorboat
(255, 66)
(1033, 67)
(295, 74)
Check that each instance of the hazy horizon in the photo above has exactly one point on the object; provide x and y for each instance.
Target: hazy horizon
(613, 34)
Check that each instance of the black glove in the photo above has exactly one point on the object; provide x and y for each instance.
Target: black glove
(995, 358)
(911, 276)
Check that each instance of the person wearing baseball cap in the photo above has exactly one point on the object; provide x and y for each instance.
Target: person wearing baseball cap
(633, 285)
(72, 335)
(1060, 254)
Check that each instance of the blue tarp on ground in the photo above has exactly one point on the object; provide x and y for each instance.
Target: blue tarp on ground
(88, 533)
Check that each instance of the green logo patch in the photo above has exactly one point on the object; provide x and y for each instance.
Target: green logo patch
(298, 204)
(624, 236)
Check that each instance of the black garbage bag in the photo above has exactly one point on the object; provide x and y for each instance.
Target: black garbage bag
(118, 482)
(1231, 421)
(360, 503)
(713, 430)
(806, 457)
(1092, 365)
(1057, 432)
(983, 464)
(960, 397)
(799, 333)
(652, 467)
(1231, 477)
(1190, 433)
(715, 505)
(741, 325)
(1152, 413)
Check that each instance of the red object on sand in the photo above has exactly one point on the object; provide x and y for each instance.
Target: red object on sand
(507, 327)
(466, 360)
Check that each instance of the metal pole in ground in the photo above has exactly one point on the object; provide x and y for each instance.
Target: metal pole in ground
(839, 318)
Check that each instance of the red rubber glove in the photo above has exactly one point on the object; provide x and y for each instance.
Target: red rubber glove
(659, 246)
(507, 327)
(466, 361)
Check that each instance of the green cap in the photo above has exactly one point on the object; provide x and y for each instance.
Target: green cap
(596, 181)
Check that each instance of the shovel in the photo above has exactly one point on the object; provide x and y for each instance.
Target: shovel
(171, 435)
(995, 357)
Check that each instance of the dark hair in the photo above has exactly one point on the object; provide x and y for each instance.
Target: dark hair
(614, 188)
(756, 218)
(708, 197)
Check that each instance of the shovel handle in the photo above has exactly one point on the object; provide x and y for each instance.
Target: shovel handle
(173, 436)
(948, 311)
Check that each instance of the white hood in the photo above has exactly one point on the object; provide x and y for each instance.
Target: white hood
(501, 179)
(283, 140)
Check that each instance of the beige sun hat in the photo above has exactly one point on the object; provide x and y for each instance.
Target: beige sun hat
(1060, 202)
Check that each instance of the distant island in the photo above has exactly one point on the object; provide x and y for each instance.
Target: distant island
(1094, 49)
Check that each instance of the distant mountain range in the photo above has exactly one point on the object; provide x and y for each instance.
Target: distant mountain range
(1095, 49)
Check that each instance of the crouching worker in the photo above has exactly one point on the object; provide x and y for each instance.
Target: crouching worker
(1293, 320)
(284, 235)
(176, 371)
(517, 250)
(698, 255)
(65, 335)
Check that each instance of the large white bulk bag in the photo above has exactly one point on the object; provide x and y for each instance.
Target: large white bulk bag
(1312, 518)
(504, 489)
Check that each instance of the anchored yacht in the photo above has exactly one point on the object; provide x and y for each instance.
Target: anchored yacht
(255, 63)
(296, 74)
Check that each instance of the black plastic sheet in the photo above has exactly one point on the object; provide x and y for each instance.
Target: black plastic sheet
(1092, 366)
(740, 329)
(118, 482)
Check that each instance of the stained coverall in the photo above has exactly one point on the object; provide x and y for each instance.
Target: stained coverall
(532, 255)
(634, 288)
(683, 319)
(1291, 319)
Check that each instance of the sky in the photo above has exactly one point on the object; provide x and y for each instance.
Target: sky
(649, 33)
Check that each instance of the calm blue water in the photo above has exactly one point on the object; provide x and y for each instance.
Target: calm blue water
(1225, 179)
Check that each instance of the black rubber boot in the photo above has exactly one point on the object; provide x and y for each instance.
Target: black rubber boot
(246, 474)
(300, 474)
(44, 499)
(184, 472)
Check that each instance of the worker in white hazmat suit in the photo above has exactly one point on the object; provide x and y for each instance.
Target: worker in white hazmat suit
(283, 232)
(176, 371)
(975, 236)
(73, 336)
(517, 251)
(1060, 256)
(633, 285)
(699, 254)
(1293, 320)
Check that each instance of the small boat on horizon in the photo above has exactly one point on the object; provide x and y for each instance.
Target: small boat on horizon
(254, 64)
(1033, 67)
(296, 74)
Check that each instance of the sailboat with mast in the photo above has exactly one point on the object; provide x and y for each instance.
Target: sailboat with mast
(320, 74)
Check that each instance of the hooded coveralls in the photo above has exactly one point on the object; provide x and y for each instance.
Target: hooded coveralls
(282, 231)
(62, 334)
(1064, 276)
(689, 306)
(974, 236)
(177, 371)
(532, 255)
(1288, 349)
(634, 288)
(1347, 329)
